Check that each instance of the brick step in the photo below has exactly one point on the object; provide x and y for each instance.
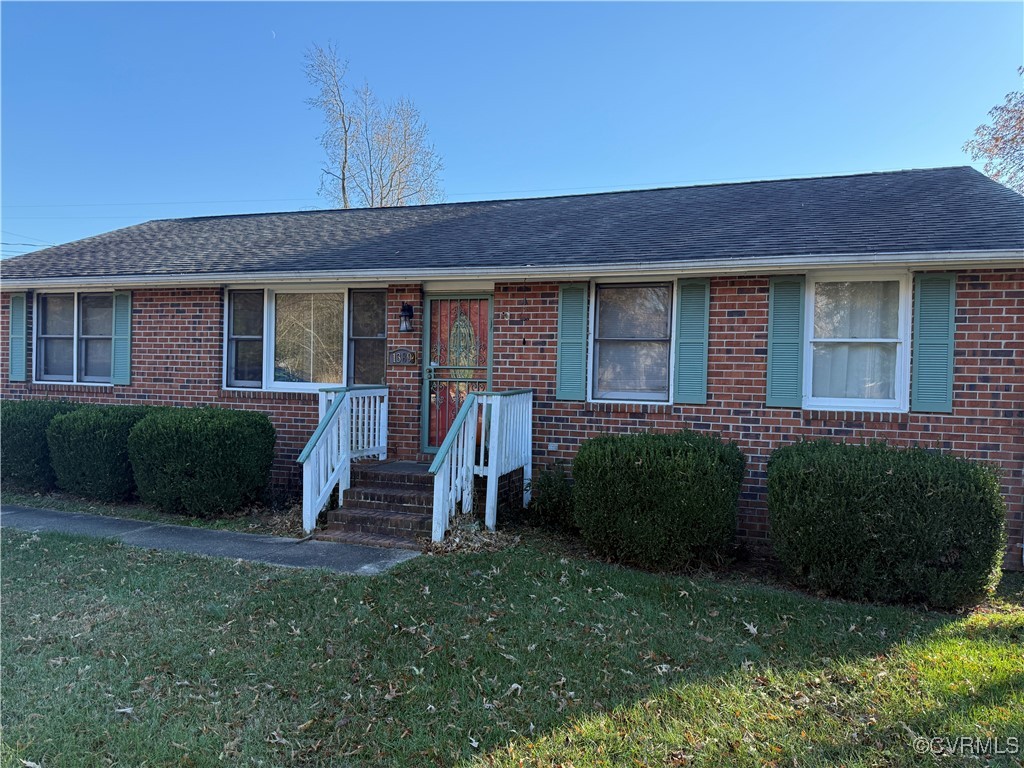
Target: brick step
(333, 532)
(397, 524)
(395, 473)
(401, 498)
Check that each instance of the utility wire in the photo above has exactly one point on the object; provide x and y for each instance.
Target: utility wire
(172, 202)
(27, 237)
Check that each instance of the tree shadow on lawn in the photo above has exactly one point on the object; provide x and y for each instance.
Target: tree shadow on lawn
(898, 675)
(499, 649)
(491, 657)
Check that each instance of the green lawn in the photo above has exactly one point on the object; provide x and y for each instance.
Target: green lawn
(122, 656)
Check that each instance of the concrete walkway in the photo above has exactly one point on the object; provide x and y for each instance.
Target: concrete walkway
(274, 550)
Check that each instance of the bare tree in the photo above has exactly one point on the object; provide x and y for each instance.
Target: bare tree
(378, 155)
(1001, 143)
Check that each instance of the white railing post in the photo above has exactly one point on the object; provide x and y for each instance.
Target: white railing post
(468, 460)
(345, 448)
(383, 421)
(308, 501)
(494, 461)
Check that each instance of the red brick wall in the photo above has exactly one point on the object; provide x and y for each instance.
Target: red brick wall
(988, 394)
(177, 352)
(405, 382)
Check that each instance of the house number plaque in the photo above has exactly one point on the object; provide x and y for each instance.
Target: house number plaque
(401, 356)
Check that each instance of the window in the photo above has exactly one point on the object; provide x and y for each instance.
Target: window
(245, 339)
(309, 337)
(367, 337)
(857, 343)
(297, 340)
(632, 342)
(74, 336)
(95, 336)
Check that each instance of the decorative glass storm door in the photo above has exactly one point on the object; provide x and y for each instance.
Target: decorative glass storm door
(456, 359)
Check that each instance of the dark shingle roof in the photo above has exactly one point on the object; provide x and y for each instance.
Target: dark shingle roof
(934, 210)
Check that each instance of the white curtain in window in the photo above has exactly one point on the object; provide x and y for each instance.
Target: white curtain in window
(848, 312)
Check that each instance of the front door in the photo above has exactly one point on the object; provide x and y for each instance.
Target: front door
(456, 359)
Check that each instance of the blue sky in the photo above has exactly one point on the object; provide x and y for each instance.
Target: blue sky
(113, 114)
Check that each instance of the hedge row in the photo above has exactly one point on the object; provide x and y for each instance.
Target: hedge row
(25, 459)
(89, 450)
(880, 523)
(857, 521)
(200, 461)
(658, 501)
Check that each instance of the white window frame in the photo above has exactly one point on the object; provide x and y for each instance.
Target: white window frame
(900, 403)
(269, 292)
(75, 379)
(592, 337)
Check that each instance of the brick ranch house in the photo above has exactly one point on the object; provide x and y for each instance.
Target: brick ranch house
(877, 306)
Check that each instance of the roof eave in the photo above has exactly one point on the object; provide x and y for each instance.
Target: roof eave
(721, 266)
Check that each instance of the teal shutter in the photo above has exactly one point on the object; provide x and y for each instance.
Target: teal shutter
(785, 341)
(693, 305)
(932, 366)
(121, 363)
(17, 345)
(571, 381)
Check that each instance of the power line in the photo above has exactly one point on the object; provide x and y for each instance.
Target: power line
(27, 237)
(171, 202)
(126, 217)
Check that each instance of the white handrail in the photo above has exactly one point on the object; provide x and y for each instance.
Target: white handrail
(353, 424)
(505, 444)
(453, 468)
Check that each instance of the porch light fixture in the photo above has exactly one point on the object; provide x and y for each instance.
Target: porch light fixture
(405, 323)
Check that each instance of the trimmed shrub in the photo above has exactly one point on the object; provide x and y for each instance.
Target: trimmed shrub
(551, 498)
(658, 501)
(879, 523)
(89, 450)
(201, 461)
(25, 458)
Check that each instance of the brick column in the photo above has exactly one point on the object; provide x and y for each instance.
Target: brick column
(405, 382)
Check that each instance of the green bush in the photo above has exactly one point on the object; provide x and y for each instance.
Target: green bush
(25, 457)
(89, 450)
(880, 523)
(201, 461)
(551, 498)
(658, 501)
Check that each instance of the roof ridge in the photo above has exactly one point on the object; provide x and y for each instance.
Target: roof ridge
(468, 203)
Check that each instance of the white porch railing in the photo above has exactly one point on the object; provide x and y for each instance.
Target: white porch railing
(353, 424)
(505, 444)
